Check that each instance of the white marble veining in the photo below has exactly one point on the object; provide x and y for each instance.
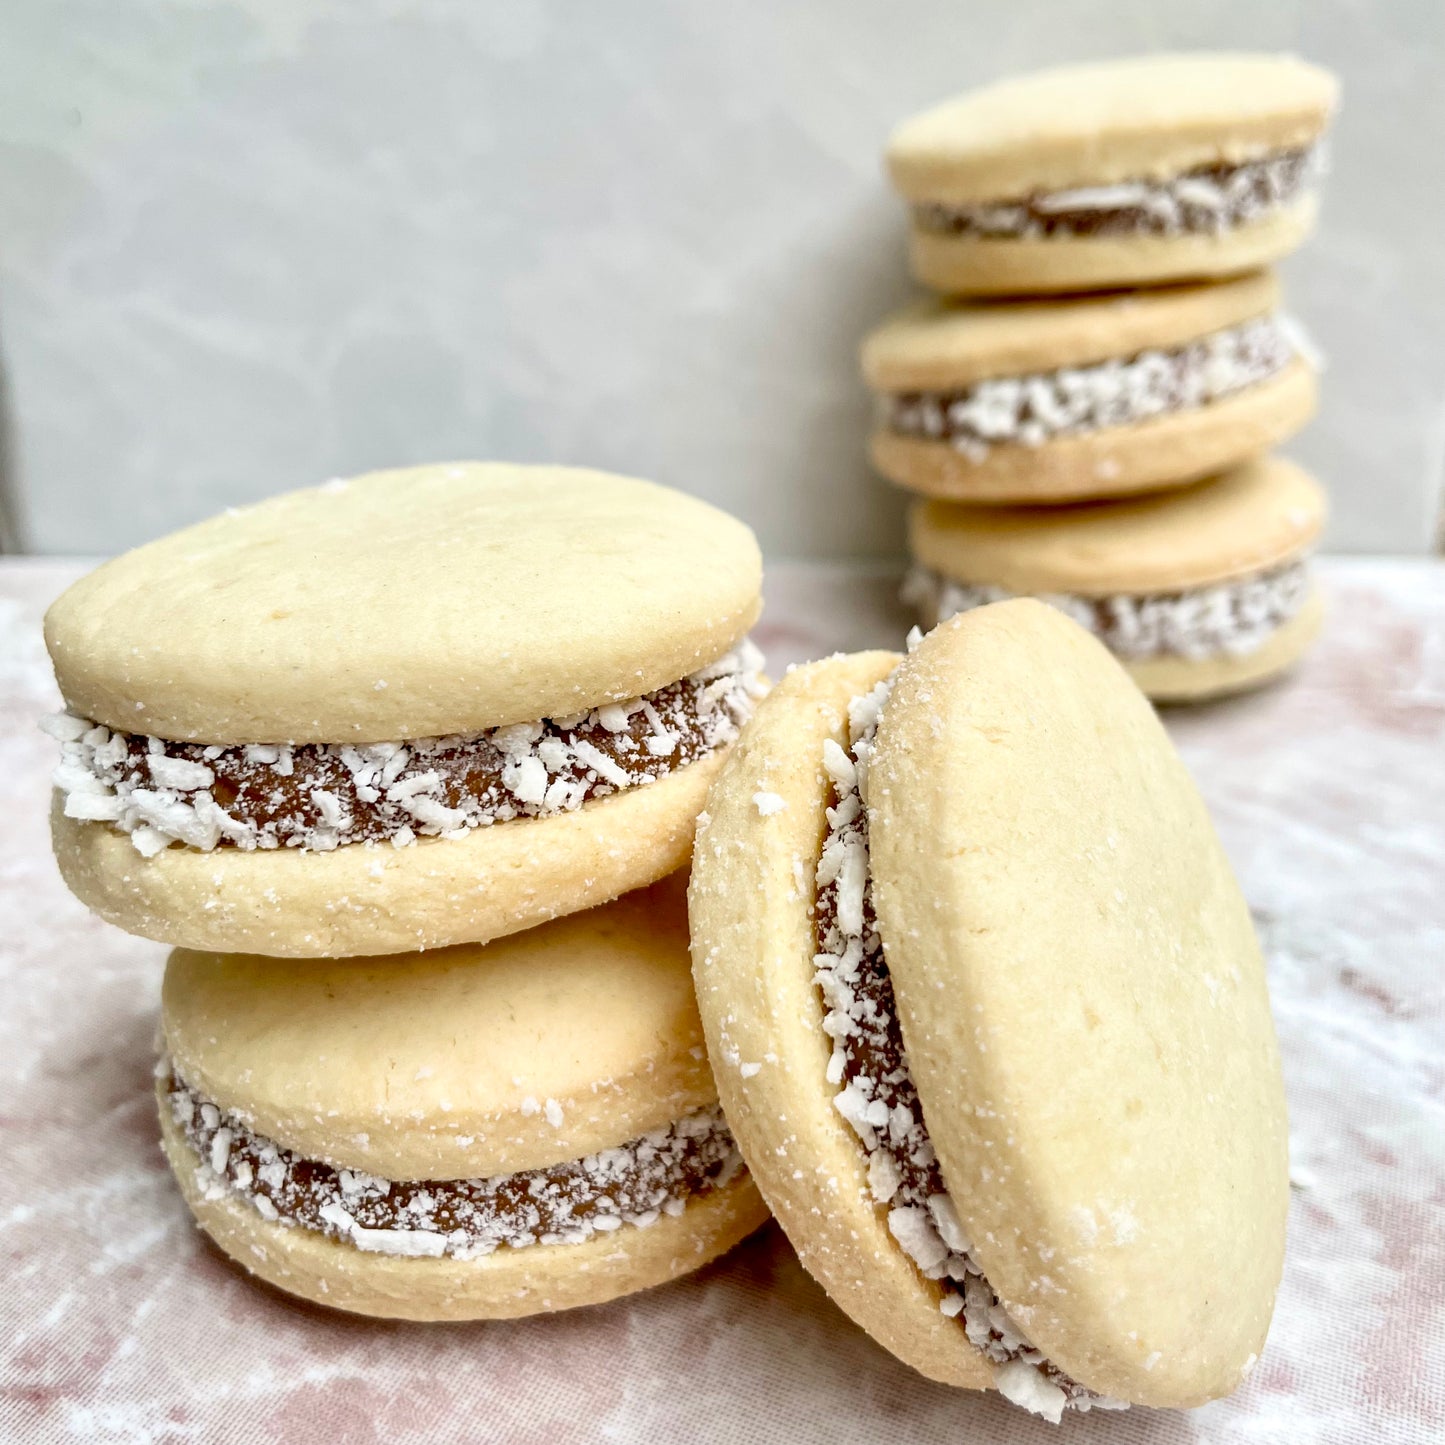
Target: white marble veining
(249, 244)
(117, 1323)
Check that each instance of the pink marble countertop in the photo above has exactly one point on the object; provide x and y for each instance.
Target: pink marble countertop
(118, 1323)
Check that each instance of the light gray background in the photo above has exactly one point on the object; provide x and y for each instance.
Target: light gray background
(250, 244)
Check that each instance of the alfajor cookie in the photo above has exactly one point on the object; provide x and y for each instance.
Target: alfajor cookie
(1120, 173)
(417, 708)
(1200, 591)
(989, 1020)
(1096, 396)
(476, 1132)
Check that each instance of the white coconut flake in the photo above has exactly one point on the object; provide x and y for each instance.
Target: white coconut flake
(1027, 1386)
(179, 773)
(768, 803)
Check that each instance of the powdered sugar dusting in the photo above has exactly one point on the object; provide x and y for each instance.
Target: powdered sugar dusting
(1033, 409)
(320, 797)
(1229, 619)
(633, 1184)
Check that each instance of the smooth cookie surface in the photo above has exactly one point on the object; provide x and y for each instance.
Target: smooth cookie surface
(404, 604)
(936, 345)
(1144, 117)
(1241, 522)
(1083, 1004)
(465, 1062)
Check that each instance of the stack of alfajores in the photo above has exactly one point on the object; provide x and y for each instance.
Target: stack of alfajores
(380, 757)
(1087, 409)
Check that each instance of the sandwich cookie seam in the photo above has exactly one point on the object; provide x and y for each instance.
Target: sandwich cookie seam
(1030, 410)
(1225, 619)
(318, 797)
(1207, 200)
(878, 1098)
(632, 1184)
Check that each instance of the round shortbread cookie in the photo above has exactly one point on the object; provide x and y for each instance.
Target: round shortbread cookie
(373, 898)
(1117, 148)
(1242, 522)
(1048, 888)
(507, 1284)
(753, 943)
(1209, 375)
(1146, 117)
(414, 709)
(415, 603)
(1083, 1004)
(432, 1136)
(437, 1065)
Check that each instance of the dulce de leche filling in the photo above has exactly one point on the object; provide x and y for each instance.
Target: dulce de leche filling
(1225, 619)
(1205, 200)
(878, 1098)
(323, 796)
(634, 1185)
(1032, 409)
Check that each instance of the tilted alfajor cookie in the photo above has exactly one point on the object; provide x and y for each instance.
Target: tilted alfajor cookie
(1119, 173)
(989, 1020)
(1200, 591)
(1094, 396)
(418, 708)
(476, 1132)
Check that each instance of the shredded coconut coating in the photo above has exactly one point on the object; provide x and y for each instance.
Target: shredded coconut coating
(325, 796)
(633, 1184)
(1230, 619)
(1208, 199)
(877, 1096)
(1033, 409)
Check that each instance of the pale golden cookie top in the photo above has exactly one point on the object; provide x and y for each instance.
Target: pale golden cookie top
(413, 603)
(937, 345)
(1083, 1005)
(1143, 118)
(1244, 521)
(465, 1062)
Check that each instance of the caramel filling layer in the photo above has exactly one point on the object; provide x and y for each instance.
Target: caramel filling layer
(323, 796)
(632, 1185)
(1205, 200)
(877, 1096)
(1033, 409)
(1227, 619)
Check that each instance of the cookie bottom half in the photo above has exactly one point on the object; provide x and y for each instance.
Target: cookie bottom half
(972, 266)
(506, 1284)
(1171, 450)
(1182, 680)
(366, 899)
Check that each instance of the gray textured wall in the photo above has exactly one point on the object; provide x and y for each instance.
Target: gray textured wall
(249, 244)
